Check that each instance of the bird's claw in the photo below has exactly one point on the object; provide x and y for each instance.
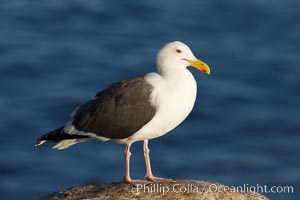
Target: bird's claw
(159, 179)
(135, 182)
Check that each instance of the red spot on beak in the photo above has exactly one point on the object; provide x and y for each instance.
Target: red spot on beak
(204, 70)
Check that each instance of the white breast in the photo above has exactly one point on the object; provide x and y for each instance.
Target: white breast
(174, 98)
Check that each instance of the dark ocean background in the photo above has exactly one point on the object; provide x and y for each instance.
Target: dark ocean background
(244, 129)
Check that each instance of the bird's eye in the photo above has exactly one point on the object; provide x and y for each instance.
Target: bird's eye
(178, 50)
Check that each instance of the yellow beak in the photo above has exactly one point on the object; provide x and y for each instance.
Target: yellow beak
(202, 66)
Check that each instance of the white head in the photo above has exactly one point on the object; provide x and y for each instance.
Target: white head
(177, 55)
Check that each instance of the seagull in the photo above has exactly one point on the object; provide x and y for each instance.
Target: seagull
(136, 109)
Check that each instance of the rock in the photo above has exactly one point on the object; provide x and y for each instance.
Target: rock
(181, 189)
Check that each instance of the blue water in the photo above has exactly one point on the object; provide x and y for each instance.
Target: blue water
(244, 129)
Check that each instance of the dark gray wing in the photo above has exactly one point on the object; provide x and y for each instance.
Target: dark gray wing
(117, 112)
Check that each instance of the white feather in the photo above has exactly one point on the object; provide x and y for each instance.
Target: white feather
(67, 143)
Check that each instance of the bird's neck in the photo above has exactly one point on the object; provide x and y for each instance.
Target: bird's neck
(174, 74)
(180, 81)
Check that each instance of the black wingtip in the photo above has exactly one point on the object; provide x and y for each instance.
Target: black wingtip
(49, 137)
(56, 135)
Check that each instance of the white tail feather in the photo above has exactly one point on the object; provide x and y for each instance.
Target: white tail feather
(66, 143)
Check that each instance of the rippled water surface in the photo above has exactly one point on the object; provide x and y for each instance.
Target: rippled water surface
(244, 128)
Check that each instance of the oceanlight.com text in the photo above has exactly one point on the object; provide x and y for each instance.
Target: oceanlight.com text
(202, 186)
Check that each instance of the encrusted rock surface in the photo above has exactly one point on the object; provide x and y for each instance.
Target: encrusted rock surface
(181, 189)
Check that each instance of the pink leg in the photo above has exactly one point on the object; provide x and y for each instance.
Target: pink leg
(149, 174)
(127, 169)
